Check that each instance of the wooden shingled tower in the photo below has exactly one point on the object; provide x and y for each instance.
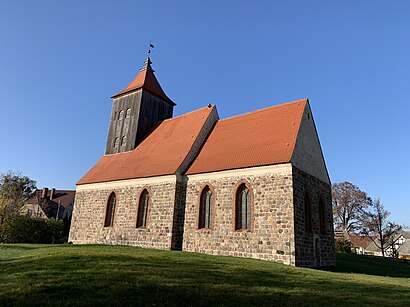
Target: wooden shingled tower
(135, 110)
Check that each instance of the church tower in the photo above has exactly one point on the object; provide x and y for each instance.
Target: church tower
(135, 110)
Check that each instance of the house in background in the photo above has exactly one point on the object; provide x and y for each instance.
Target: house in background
(359, 244)
(402, 245)
(365, 246)
(50, 204)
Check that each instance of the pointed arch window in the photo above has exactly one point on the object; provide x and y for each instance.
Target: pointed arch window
(243, 208)
(110, 210)
(205, 209)
(143, 209)
(322, 216)
(128, 113)
(308, 213)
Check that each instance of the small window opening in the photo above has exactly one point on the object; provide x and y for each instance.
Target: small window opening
(322, 216)
(121, 114)
(124, 140)
(308, 213)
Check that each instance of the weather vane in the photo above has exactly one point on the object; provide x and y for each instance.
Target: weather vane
(151, 46)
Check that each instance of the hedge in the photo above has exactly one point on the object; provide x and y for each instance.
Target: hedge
(24, 229)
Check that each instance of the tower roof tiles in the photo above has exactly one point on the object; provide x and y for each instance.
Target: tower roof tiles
(146, 80)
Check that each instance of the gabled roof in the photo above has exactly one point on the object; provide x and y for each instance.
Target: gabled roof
(50, 207)
(360, 241)
(161, 153)
(262, 137)
(146, 80)
(63, 197)
(404, 249)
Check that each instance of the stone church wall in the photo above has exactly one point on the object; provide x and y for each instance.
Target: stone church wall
(306, 253)
(271, 236)
(89, 213)
(278, 232)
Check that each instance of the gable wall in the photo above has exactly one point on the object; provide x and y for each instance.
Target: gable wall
(272, 235)
(87, 224)
(307, 154)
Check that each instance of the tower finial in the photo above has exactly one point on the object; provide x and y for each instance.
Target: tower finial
(151, 46)
(147, 63)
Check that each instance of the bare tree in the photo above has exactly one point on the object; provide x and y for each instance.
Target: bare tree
(349, 203)
(376, 226)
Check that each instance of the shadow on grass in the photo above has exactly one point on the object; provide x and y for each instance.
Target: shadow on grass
(370, 265)
(21, 246)
(129, 276)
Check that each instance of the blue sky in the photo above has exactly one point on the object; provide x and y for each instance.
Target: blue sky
(60, 61)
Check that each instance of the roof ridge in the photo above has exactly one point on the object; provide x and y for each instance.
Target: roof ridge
(267, 108)
(190, 112)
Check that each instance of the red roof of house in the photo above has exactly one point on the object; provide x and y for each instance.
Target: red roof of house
(360, 241)
(146, 80)
(50, 206)
(262, 137)
(161, 153)
(63, 197)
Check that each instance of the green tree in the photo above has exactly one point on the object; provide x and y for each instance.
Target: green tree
(343, 246)
(15, 189)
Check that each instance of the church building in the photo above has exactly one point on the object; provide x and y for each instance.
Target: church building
(253, 185)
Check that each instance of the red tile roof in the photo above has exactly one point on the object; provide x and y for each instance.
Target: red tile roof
(360, 241)
(49, 206)
(161, 153)
(146, 80)
(262, 137)
(63, 197)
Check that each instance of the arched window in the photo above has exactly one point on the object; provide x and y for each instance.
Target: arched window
(128, 113)
(116, 142)
(205, 209)
(124, 140)
(110, 210)
(121, 114)
(322, 216)
(143, 209)
(243, 208)
(308, 213)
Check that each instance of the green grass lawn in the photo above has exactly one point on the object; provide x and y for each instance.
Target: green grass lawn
(120, 275)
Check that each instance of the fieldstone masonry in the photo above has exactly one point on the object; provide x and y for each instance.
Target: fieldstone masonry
(308, 243)
(89, 214)
(278, 228)
(271, 236)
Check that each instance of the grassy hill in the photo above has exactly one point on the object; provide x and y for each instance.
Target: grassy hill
(121, 275)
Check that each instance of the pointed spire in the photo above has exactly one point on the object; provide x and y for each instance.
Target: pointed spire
(147, 65)
(146, 80)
